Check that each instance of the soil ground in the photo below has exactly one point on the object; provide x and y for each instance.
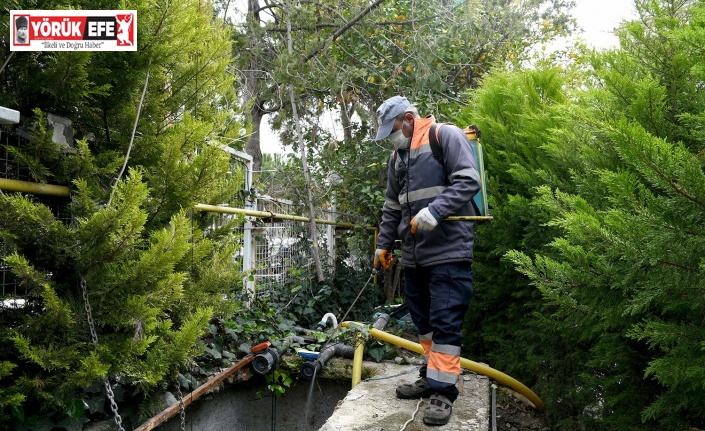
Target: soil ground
(514, 415)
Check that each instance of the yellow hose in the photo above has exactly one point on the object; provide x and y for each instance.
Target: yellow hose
(465, 363)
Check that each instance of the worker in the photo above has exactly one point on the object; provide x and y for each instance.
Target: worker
(436, 254)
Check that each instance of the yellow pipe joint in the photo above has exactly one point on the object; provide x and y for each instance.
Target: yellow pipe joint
(465, 363)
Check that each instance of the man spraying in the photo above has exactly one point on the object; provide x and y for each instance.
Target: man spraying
(436, 255)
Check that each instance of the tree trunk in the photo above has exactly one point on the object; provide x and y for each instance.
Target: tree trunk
(304, 164)
(253, 144)
(344, 117)
(251, 95)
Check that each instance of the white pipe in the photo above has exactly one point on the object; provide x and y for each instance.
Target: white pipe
(326, 317)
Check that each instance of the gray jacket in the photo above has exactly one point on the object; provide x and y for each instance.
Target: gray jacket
(416, 180)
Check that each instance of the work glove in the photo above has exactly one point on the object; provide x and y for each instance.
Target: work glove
(381, 258)
(424, 220)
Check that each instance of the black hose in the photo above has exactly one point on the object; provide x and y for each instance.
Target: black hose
(310, 369)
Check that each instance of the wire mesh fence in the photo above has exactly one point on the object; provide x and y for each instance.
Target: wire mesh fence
(10, 167)
(12, 293)
(282, 248)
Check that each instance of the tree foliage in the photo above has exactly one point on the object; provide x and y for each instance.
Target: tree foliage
(603, 217)
(154, 272)
(588, 281)
(349, 58)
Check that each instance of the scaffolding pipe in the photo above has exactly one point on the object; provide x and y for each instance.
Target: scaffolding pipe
(533, 399)
(34, 188)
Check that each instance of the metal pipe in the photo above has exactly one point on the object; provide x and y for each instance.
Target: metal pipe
(268, 214)
(170, 411)
(532, 398)
(494, 407)
(462, 218)
(381, 321)
(34, 188)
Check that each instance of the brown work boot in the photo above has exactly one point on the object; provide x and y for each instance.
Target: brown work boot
(413, 391)
(438, 410)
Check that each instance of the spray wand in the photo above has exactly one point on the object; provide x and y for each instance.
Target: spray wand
(311, 357)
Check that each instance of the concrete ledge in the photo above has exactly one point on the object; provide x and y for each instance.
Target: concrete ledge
(9, 116)
(372, 405)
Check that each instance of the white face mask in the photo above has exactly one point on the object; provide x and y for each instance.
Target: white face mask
(399, 141)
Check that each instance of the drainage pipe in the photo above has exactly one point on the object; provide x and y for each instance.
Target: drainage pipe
(34, 188)
(465, 363)
(267, 356)
(310, 369)
(170, 411)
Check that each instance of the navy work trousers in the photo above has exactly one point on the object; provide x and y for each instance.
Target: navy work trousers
(438, 298)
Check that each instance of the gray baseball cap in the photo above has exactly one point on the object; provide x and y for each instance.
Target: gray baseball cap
(387, 112)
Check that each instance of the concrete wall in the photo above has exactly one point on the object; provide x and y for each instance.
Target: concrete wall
(238, 407)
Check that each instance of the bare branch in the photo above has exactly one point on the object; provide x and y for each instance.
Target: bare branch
(344, 28)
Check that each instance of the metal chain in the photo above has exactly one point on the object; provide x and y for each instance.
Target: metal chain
(181, 404)
(113, 405)
(94, 337)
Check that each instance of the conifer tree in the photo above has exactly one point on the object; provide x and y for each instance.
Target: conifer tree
(518, 112)
(624, 275)
(154, 273)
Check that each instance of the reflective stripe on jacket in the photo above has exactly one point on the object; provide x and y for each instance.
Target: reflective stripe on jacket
(416, 180)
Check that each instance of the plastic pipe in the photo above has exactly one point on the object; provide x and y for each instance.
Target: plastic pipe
(267, 356)
(357, 358)
(312, 368)
(265, 361)
(337, 349)
(284, 345)
(324, 322)
(465, 363)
